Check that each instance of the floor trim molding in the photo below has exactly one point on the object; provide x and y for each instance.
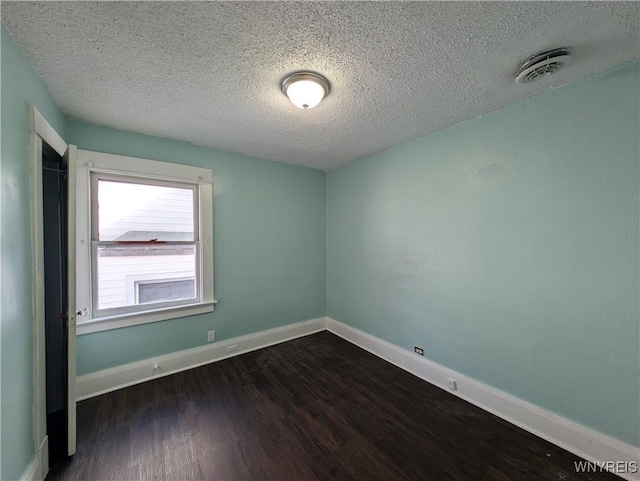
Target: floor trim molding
(43, 459)
(107, 380)
(32, 472)
(586, 443)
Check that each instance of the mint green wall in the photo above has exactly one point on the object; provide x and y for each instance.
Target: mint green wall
(269, 248)
(21, 87)
(508, 248)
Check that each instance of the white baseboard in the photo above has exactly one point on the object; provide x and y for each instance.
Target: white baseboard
(586, 443)
(100, 382)
(43, 458)
(39, 466)
(32, 473)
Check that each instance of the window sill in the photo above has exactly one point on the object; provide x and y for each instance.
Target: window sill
(137, 318)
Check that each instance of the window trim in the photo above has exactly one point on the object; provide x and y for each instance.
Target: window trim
(109, 165)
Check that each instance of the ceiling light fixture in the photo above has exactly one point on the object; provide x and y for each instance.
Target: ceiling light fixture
(305, 89)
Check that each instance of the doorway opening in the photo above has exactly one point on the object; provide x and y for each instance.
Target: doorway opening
(53, 177)
(55, 236)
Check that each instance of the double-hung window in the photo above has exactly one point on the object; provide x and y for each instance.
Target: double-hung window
(144, 241)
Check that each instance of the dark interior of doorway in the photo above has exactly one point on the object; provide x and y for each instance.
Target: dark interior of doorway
(54, 210)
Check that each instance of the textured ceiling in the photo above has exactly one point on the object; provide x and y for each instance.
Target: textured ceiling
(209, 72)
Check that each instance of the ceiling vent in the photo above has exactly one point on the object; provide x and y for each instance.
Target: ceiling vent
(542, 65)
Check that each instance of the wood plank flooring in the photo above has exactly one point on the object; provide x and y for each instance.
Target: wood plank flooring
(315, 408)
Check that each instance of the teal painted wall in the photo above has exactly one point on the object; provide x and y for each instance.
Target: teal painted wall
(21, 87)
(269, 248)
(508, 248)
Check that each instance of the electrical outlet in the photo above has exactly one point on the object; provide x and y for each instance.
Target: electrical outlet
(418, 350)
(211, 336)
(232, 348)
(453, 385)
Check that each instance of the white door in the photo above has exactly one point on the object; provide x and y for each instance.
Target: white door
(71, 158)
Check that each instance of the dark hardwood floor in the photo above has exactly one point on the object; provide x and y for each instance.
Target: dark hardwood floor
(315, 408)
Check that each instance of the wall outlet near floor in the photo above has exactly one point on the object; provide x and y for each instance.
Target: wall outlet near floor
(453, 385)
(211, 336)
(232, 348)
(418, 350)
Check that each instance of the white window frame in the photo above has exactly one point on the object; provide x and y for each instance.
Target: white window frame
(94, 165)
(95, 178)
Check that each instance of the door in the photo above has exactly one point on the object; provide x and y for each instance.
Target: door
(58, 221)
(55, 240)
(71, 161)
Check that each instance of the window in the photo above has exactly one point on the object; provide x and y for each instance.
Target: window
(157, 291)
(144, 234)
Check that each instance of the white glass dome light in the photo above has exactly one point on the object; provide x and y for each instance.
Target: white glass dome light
(305, 89)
